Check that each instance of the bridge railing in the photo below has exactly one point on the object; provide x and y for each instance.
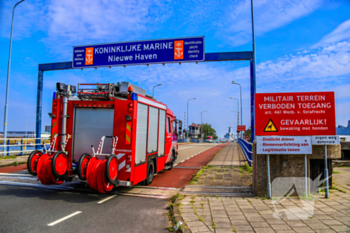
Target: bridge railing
(247, 149)
(21, 146)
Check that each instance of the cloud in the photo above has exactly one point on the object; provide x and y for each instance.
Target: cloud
(71, 22)
(342, 32)
(28, 18)
(325, 64)
(268, 15)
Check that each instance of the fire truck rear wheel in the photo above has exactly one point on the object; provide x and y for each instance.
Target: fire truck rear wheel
(32, 161)
(150, 173)
(82, 166)
(59, 164)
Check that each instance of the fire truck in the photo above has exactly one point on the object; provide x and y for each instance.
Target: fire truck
(109, 135)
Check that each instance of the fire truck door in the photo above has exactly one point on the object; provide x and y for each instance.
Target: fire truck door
(168, 139)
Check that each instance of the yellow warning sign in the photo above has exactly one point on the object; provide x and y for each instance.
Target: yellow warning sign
(270, 127)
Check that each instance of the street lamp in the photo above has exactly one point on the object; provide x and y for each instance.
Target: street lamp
(202, 125)
(8, 78)
(154, 87)
(237, 121)
(240, 90)
(187, 115)
(237, 113)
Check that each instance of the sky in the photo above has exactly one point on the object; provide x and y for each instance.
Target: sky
(301, 45)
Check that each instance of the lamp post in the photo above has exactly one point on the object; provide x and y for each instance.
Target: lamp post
(187, 116)
(237, 121)
(8, 78)
(154, 87)
(240, 90)
(237, 113)
(202, 125)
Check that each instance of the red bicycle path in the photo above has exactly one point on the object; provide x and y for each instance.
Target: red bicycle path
(10, 169)
(176, 178)
(179, 177)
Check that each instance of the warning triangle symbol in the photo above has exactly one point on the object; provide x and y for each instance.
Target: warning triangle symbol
(270, 127)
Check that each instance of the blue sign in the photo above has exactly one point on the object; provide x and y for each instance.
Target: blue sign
(139, 52)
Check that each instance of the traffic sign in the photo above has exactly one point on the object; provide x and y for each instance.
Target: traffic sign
(325, 140)
(240, 128)
(295, 114)
(284, 145)
(139, 52)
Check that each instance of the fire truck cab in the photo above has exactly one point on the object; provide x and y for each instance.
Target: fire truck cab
(109, 135)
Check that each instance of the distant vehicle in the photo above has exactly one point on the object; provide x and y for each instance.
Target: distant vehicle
(209, 139)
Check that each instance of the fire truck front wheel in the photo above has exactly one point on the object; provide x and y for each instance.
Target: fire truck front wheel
(171, 163)
(32, 161)
(83, 164)
(150, 173)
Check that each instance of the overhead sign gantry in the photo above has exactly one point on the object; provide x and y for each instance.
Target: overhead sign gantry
(165, 51)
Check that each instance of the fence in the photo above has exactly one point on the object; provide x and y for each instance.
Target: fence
(19, 146)
(247, 149)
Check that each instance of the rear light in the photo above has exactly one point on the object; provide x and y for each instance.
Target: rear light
(130, 105)
(129, 109)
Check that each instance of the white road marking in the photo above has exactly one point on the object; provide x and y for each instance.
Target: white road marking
(106, 199)
(64, 218)
(185, 147)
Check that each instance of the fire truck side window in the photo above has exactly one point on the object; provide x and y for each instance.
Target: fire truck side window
(174, 127)
(152, 130)
(141, 133)
(161, 133)
(168, 125)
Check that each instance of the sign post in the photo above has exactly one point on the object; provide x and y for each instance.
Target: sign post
(325, 140)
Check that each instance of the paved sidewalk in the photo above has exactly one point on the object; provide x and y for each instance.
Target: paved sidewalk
(9, 162)
(230, 214)
(231, 155)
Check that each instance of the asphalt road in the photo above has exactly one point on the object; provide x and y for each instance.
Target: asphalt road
(32, 210)
(188, 150)
(27, 209)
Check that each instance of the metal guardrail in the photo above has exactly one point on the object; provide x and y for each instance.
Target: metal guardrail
(21, 145)
(247, 150)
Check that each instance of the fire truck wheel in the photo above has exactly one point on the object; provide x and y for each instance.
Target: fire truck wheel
(59, 164)
(111, 171)
(82, 166)
(32, 161)
(150, 173)
(171, 163)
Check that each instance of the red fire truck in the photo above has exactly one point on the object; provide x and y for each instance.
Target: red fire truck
(135, 137)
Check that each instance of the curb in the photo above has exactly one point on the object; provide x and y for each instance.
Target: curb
(178, 218)
(11, 164)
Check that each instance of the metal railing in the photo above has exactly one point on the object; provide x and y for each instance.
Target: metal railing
(247, 149)
(20, 146)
